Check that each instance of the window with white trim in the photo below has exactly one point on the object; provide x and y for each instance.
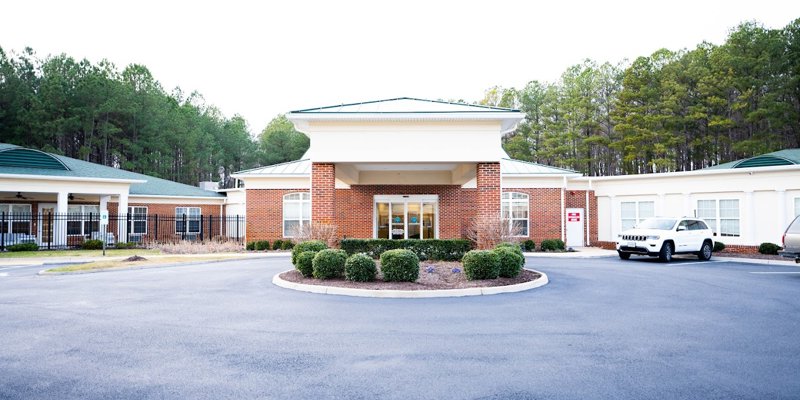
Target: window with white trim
(515, 208)
(633, 212)
(138, 224)
(296, 213)
(82, 220)
(187, 219)
(17, 218)
(721, 215)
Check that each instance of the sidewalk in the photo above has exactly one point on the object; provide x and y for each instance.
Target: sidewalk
(580, 252)
(38, 261)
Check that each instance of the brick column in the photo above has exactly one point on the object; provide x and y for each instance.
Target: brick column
(488, 210)
(323, 177)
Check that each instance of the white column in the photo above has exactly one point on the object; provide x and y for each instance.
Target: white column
(104, 202)
(586, 217)
(60, 225)
(122, 224)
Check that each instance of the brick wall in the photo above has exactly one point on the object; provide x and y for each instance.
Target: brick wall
(488, 204)
(323, 193)
(265, 213)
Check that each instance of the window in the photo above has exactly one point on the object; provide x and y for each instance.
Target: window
(722, 216)
(296, 213)
(405, 216)
(515, 207)
(187, 219)
(83, 220)
(18, 218)
(634, 212)
(138, 224)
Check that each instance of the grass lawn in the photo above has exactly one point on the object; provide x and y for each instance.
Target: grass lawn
(77, 253)
(98, 265)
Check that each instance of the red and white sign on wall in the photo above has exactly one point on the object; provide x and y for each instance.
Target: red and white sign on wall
(573, 217)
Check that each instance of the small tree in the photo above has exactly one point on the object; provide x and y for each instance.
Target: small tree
(488, 232)
(323, 232)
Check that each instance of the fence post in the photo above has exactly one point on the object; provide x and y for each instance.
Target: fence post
(202, 237)
(185, 228)
(156, 229)
(238, 236)
(3, 232)
(50, 229)
(210, 227)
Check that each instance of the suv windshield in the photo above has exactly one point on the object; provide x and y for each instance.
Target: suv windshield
(663, 224)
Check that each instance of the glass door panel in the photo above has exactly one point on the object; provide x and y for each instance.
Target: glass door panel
(414, 221)
(383, 220)
(428, 221)
(398, 221)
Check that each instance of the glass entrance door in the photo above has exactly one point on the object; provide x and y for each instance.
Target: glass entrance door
(406, 217)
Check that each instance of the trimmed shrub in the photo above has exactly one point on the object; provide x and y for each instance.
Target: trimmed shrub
(399, 265)
(125, 245)
(529, 245)
(719, 246)
(287, 245)
(23, 247)
(360, 268)
(513, 246)
(250, 246)
(768, 248)
(311, 245)
(92, 244)
(427, 249)
(329, 263)
(305, 263)
(262, 245)
(276, 245)
(553, 245)
(481, 264)
(511, 262)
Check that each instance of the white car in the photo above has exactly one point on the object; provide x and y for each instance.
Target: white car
(664, 237)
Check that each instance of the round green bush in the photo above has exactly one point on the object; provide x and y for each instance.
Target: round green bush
(276, 245)
(92, 244)
(360, 268)
(553, 245)
(399, 265)
(250, 246)
(511, 262)
(287, 245)
(262, 245)
(23, 247)
(529, 245)
(719, 246)
(329, 264)
(768, 248)
(311, 245)
(305, 263)
(481, 264)
(512, 246)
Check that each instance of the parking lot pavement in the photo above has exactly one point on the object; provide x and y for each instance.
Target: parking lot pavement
(603, 328)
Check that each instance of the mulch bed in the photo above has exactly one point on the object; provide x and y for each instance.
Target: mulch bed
(758, 256)
(440, 277)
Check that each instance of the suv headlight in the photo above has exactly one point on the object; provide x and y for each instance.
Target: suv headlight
(653, 237)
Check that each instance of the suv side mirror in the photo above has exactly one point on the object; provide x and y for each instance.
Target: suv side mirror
(681, 228)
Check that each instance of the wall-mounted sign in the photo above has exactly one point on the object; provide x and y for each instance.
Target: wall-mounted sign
(397, 220)
(413, 220)
(573, 217)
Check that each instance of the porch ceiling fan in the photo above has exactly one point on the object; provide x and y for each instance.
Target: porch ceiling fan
(72, 197)
(18, 196)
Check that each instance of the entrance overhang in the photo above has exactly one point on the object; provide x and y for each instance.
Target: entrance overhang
(405, 173)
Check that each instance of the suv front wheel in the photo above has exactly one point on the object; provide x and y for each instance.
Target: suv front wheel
(665, 254)
(623, 255)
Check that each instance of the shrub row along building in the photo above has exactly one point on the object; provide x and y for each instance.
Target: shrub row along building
(399, 169)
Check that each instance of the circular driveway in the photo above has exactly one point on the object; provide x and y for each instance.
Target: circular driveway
(602, 328)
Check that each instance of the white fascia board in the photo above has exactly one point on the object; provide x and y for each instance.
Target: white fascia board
(541, 175)
(699, 172)
(159, 196)
(69, 178)
(247, 176)
(510, 119)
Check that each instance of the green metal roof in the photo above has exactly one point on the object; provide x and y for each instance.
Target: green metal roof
(776, 158)
(29, 158)
(83, 169)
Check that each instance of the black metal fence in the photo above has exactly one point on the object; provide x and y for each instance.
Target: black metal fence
(61, 231)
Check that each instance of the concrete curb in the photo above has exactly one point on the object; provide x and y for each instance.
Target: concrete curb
(44, 272)
(411, 294)
(34, 261)
(786, 263)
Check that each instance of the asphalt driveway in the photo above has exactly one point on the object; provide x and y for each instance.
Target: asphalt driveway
(602, 328)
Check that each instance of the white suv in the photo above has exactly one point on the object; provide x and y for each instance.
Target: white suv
(664, 237)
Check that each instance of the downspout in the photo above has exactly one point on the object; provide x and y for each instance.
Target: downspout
(563, 211)
(588, 212)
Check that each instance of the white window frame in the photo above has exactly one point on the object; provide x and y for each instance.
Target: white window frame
(305, 198)
(137, 218)
(189, 219)
(717, 219)
(420, 199)
(638, 217)
(7, 207)
(507, 202)
(82, 214)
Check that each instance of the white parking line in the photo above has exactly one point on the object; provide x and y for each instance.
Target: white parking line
(782, 272)
(696, 262)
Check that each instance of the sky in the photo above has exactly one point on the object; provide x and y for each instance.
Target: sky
(259, 59)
